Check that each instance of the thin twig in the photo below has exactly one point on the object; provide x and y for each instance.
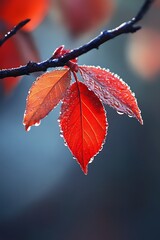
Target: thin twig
(127, 27)
(13, 31)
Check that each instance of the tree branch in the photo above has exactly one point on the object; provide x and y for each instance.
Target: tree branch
(127, 27)
(13, 31)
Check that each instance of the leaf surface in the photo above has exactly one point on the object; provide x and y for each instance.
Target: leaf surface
(111, 90)
(83, 123)
(45, 94)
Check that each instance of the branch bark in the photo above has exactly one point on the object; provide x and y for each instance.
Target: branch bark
(13, 31)
(126, 27)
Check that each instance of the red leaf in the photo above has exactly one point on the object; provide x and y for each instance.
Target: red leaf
(16, 51)
(111, 90)
(83, 16)
(14, 11)
(83, 123)
(9, 57)
(45, 94)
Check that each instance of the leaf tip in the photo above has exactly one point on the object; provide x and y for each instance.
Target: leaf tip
(139, 117)
(84, 169)
(27, 128)
(28, 125)
(140, 120)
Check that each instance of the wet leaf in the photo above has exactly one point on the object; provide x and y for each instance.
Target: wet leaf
(111, 90)
(83, 123)
(45, 94)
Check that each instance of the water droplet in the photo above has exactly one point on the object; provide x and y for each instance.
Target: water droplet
(28, 129)
(91, 160)
(120, 113)
(37, 123)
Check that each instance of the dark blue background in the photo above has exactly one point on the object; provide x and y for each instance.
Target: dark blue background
(43, 192)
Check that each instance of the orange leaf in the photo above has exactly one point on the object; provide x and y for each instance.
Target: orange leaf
(111, 90)
(83, 123)
(45, 94)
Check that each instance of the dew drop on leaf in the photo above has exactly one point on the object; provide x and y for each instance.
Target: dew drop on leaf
(120, 113)
(28, 129)
(37, 123)
(61, 135)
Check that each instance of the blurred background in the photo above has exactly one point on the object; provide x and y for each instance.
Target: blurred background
(43, 192)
